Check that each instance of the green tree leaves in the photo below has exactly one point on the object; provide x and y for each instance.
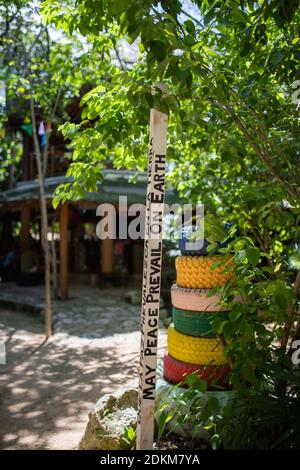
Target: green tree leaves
(233, 137)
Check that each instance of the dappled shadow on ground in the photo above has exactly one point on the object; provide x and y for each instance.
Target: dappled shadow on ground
(46, 390)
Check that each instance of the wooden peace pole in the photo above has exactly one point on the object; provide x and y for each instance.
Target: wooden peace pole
(151, 277)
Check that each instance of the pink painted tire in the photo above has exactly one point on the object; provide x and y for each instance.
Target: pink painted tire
(215, 376)
(197, 300)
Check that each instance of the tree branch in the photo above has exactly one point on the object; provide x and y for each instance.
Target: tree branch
(46, 148)
(198, 22)
(223, 342)
(261, 154)
(119, 58)
(44, 216)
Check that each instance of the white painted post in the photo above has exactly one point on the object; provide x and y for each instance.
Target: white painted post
(151, 277)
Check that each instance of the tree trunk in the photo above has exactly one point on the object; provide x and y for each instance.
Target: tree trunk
(54, 267)
(44, 222)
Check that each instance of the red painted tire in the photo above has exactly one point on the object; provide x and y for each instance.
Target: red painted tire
(215, 376)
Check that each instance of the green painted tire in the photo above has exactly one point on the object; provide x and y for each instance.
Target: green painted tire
(197, 324)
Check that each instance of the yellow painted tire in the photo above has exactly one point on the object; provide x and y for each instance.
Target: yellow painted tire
(193, 350)
(196, 272)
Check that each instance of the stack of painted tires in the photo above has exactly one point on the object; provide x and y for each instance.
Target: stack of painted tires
(192, 344)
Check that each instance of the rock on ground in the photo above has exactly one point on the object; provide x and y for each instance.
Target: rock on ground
(108, 419)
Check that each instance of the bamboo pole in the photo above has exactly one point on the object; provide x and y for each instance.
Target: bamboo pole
(44, 221)
(63, 267)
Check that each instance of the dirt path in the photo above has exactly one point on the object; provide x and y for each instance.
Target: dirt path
(46, 390)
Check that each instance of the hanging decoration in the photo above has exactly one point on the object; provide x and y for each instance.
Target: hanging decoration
(27, 127)
(43, 140)
(43, 133)
(41, 130)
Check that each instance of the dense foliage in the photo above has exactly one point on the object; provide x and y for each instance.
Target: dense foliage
(231, 68)
(44, 64)
(232, 71)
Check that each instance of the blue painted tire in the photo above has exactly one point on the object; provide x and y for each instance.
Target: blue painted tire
(201, 251)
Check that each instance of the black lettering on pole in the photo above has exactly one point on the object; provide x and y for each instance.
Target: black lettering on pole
(151, 279)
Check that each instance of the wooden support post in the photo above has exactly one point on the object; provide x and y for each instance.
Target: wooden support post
(7, 238)
(107, 244)
(107, 256)
(11, 176)
(25, 227)
(26, 173)
(63, 272)
(52, 160)
(151, 278)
